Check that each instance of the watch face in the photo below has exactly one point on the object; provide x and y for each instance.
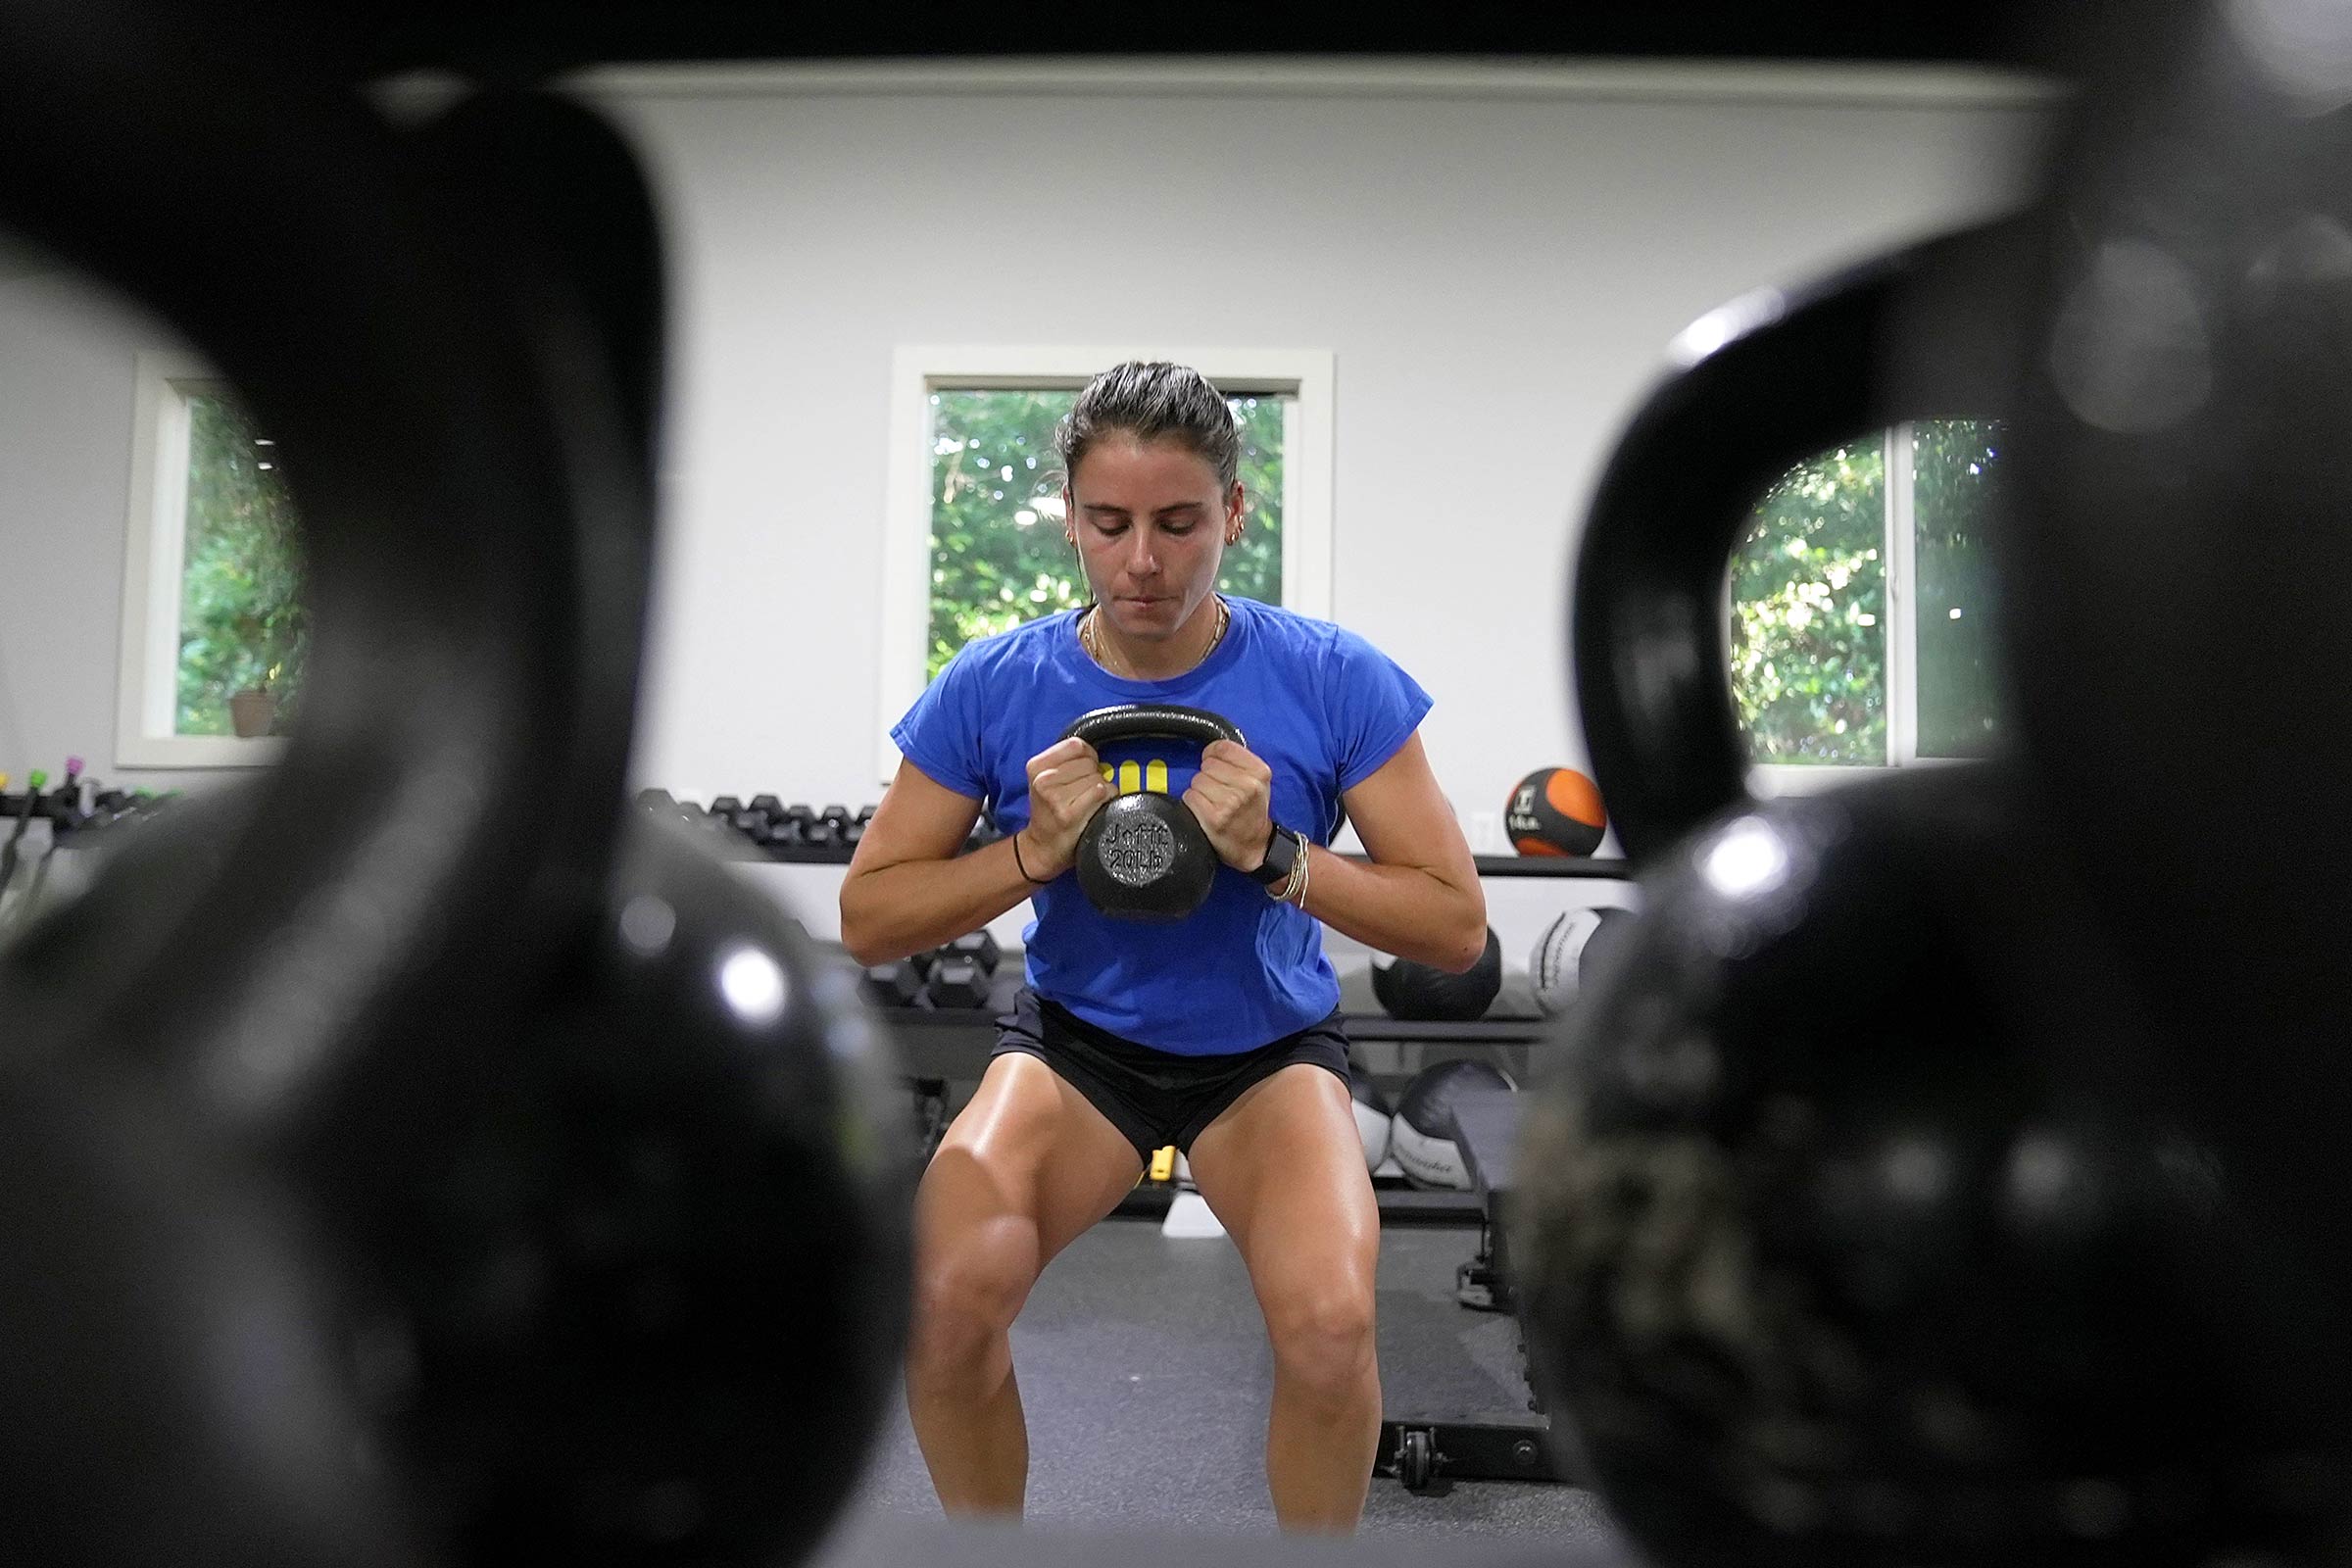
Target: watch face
(1282, 853)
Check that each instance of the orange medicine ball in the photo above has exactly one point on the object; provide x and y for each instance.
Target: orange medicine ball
(1555, 811)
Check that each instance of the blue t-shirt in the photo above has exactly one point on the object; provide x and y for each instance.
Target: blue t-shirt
(1321, 707)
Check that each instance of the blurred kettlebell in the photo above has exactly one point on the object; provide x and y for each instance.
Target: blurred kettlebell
(419, 1156)
(1839, 1242)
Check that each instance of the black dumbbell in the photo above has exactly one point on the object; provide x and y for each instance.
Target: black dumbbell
(959, 983)
(781, 832)
(979, 947)
(712, 820)
(966, 971)
(901, 983)
(656, 801)
(768, 806)
(805, 825)
(897, 984)
(830, 829)
(725, 806)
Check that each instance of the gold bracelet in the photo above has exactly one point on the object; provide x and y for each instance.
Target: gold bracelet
(1303, 873)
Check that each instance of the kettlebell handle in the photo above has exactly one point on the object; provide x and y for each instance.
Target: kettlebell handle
(1137, 722)
(1761, 385)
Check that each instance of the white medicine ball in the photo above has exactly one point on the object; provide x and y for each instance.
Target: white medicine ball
(1567, 951)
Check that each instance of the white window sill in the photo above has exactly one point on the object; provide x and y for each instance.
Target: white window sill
(198, 751)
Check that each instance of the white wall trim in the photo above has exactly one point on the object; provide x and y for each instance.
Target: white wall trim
(1821, 83)
(155, 531)
(919, 369)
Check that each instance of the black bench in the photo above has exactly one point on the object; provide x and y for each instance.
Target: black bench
(1504, 1445)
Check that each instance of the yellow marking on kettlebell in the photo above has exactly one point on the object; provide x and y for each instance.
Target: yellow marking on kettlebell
(1136, 779)
(1163, 1164)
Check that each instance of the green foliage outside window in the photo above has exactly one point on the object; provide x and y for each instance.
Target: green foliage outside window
(242, 620)
(1808, 638)
(1808, 614)
(998, 555)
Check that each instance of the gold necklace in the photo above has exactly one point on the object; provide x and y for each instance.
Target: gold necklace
(1090, 637)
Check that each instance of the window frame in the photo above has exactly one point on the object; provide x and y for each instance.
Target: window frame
(154, 570)
(917, 370)
(1898, 551)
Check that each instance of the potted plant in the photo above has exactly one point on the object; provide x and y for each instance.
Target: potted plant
(270, 662)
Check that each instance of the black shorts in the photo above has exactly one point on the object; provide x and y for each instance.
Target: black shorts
(1155, 1097)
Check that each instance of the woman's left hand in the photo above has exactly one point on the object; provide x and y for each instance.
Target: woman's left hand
(1232, 797)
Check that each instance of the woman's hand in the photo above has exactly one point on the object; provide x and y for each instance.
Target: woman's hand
(1232, 797)
(1067, 787)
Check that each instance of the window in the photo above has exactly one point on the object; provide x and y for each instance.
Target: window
(214, 630)
(974, 544)
(1861, 607)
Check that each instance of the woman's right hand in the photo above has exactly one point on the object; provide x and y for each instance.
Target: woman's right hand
(1067, 787)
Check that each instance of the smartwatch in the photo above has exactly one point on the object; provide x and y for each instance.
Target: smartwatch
(1283, 849)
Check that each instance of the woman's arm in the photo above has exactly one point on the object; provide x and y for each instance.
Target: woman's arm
(909, 888)
(1419, 898)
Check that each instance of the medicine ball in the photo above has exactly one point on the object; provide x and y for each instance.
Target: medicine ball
(1423, 994)
(1555, 811)
(1373, 1114)
(1422, 1134)
(1570, 950)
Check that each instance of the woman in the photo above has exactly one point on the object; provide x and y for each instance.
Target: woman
(1219, 1035)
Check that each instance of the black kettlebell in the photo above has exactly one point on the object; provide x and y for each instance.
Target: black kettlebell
(1143, 854)
(1849, 1237)
(418, 1156)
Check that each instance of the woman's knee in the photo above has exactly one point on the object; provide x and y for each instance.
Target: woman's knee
(1322, 1330)
(971, 1282)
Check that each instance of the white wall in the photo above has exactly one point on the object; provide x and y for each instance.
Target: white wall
(1497, 280)
(1496, 275)
(66, 361)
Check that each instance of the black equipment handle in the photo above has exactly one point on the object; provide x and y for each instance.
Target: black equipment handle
(1901, 337)
(1137, 722)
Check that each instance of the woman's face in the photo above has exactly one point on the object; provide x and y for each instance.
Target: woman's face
(1150, 526)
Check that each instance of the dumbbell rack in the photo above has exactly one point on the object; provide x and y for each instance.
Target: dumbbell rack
(741, 845)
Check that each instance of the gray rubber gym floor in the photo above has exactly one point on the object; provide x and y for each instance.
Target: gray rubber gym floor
(1145, 1373)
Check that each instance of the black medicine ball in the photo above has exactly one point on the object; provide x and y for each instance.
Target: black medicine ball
(1422, 1136)
(1425, 995)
